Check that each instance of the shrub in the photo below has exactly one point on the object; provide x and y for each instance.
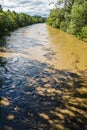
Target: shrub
(83, 33)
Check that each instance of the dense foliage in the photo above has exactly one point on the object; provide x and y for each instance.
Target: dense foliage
(71, 18)
(10, 21)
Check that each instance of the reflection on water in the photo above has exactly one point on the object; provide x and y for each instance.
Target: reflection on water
(43, 80)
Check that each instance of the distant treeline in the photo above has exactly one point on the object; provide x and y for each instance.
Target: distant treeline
(10, 21)
(71, 18)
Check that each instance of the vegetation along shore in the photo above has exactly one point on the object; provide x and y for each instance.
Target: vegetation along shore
(10, 20)
(71, 17)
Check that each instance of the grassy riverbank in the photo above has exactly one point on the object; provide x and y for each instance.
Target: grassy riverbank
(9, 21)
(71, 18)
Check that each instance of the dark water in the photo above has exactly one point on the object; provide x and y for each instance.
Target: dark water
(43, 80)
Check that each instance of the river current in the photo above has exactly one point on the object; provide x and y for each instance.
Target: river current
(43, 80)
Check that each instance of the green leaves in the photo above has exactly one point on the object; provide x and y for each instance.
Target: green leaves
(83, 33)
(55, 18)
(78, 19)
(10, 21)
(72, 18)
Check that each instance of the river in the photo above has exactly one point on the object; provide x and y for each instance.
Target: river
(43, 80)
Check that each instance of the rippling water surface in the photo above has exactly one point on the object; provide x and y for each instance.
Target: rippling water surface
(43, 80)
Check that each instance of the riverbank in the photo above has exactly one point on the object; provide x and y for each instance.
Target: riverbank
(9, 21)
(71, 18)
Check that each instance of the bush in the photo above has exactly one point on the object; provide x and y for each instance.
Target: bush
(63, 26)
(78, 18)
(71, 18)
(55, 18)
(83, 33)
(10, 21)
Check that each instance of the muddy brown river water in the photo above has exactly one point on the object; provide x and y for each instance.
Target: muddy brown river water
(43, 80)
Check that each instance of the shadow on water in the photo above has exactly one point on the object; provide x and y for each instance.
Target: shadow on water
(35, 96)
(2, 60)
(2, 42)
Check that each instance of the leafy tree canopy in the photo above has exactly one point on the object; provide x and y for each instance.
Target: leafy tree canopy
(10, 21)
(70, 16)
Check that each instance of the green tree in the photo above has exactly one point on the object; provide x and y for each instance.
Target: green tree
(55, 18)
(10, 21)
(70, 16)
(78, 17)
